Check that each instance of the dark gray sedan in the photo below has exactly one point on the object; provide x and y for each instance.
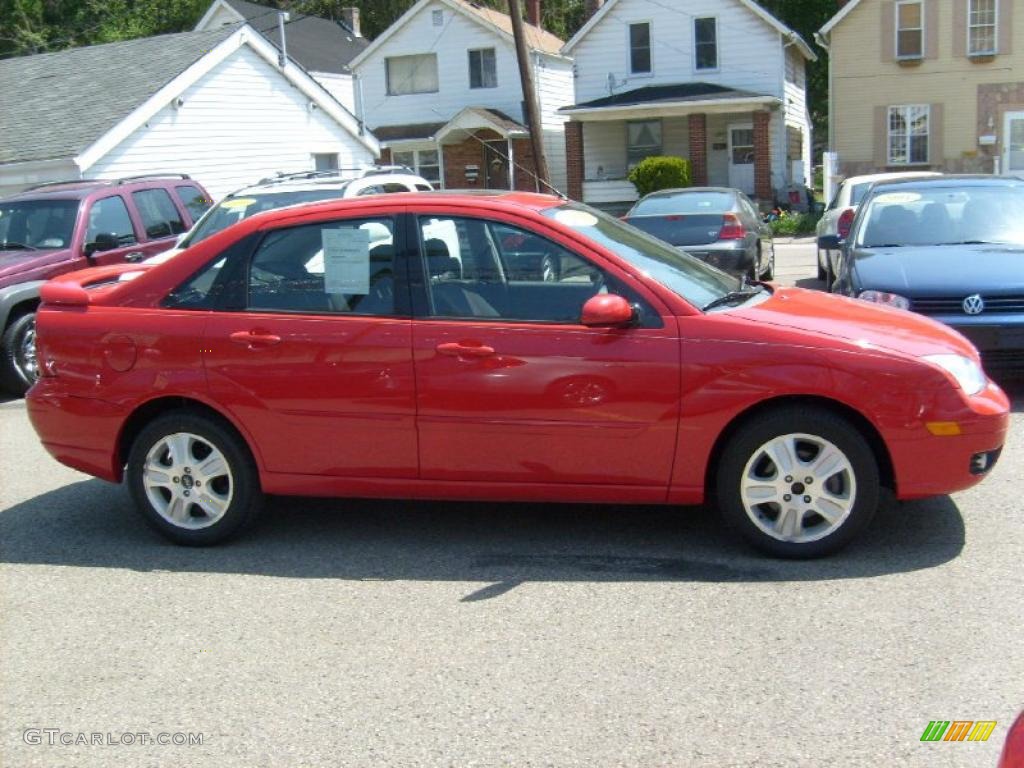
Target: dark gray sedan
(718, 225)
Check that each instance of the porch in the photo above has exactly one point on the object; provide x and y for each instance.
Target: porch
(729, 137)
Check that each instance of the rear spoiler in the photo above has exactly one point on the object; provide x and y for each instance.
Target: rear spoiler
(69, 290)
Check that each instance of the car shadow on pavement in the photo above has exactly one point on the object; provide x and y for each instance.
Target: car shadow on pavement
(92, 524)
(811, 283)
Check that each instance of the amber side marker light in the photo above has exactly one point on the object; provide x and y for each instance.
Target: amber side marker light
(943, 428)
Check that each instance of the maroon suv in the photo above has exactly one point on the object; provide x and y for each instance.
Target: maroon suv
(59, 227)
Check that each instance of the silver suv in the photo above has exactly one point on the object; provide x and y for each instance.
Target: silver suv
(295, 189)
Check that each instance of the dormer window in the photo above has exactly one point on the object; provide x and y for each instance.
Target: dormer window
(909, 29)
(640, 48)
(981, 27)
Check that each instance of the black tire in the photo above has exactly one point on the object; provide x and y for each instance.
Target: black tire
(768, 274)
(17, 372)
(830, 279)
(246, 496)
(818, 423)
(822, 273)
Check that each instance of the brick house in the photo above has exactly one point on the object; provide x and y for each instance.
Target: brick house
(946, 90)
(440, 89)
(720, 82)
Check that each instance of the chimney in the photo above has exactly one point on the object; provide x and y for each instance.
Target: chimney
(533, 12)
(591, 7)
(350, 18)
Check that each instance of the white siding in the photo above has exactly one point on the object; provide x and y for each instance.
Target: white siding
(450, 42)
(239, 123)
(749, 50)
(604, 146)
(553, 81)
(797, 115)
(341, 87)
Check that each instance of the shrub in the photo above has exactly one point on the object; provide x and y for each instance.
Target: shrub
(660, 172)
(793, 224)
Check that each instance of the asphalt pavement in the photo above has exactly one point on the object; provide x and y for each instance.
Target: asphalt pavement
(357, 633)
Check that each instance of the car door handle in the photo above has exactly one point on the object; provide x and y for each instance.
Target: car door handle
(255, 338)
(458, 349)
(135, 256)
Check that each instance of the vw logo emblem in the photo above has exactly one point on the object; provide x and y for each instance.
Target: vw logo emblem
(974, 305)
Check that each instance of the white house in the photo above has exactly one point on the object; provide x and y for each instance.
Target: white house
(324, 47)
(721, 82)
(441, 90)
(215, 104)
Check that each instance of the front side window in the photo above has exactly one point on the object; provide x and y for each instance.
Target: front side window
(640, 48)
(411, 74)
(160, 216)
(981, 27)
(338, 267)
(705, 35)
(109, 216)
(909, 29)
(643, 140)
(908, 134)
(483, 69)
(494, 271)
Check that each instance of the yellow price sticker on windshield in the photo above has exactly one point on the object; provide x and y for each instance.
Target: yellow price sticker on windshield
(237, 203)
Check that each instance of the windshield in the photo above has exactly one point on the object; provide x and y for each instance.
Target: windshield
(233, 209)
(943, 216)
(697, 282)
(685, 202)
(37, 224)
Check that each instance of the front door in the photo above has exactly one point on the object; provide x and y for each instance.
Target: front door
(511, 388)
(741, 157)
(316, 364)
(496, 165)
(108, 219)
(1013, 143)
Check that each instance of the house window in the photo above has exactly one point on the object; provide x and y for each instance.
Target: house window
(643, 139)
(909, 29)
(325, 161)
(411, 74)
(981, 27)
(705, 35)
(426, 163)
(483, 69)
(640, 48)
(437, 18)
(908, 134)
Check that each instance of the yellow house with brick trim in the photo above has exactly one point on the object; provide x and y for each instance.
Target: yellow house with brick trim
(926, 84)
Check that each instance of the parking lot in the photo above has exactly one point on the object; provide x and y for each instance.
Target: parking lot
(357, 633)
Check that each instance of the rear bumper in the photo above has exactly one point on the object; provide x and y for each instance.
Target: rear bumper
(79, 432)
(732, 256)
(929, 465)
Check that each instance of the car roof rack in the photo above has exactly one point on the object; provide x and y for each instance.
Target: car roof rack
(342, 174)
(107, 182)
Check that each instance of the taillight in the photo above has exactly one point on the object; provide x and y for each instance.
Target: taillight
(845, 223)
(732, 228)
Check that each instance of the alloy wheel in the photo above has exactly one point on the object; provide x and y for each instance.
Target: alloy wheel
(187, 481)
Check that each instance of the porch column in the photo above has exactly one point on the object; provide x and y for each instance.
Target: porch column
(762, 158)
(574, 159)
(699, 149)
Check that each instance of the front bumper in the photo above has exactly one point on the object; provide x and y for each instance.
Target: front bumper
(929, 465)
(999, 337)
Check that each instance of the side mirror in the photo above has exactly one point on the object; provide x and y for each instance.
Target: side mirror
(607, 310)
(105, 241)
(831, 242)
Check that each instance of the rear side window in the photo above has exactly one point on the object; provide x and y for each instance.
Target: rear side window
(195, 201)
(337, 267)
(109, 216)
(160, 216)
(858, 191)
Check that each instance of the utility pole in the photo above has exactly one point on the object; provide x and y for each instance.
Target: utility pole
(540, 162)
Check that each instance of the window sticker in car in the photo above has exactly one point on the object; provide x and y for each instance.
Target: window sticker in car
(574, 218)
(898, 198)
(346, 261)
(238, 203)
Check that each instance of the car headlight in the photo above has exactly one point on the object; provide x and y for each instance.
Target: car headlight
(884, 297)
(967, 373)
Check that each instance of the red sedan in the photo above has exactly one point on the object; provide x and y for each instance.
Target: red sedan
(498, 347)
